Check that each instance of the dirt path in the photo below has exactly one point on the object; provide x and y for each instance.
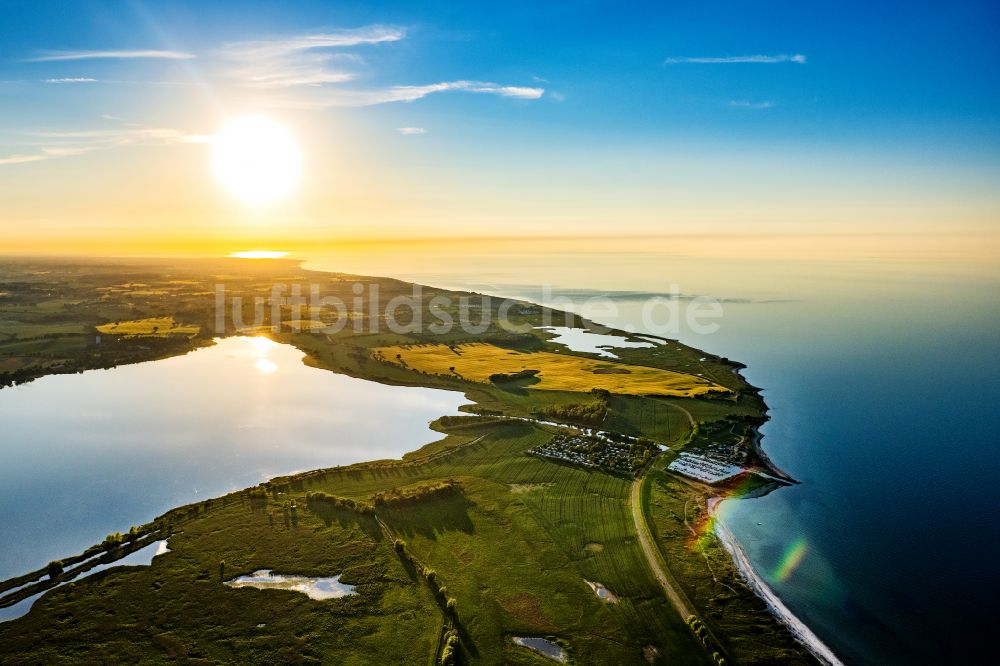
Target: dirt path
(674, 594)
(686, 412)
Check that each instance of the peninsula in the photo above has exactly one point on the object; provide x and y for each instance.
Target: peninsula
(563, 516)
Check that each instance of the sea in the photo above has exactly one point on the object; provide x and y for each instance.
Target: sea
(879, 361)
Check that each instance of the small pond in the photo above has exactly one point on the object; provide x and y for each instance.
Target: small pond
(542, 646)
(581, 340)
(314, 588)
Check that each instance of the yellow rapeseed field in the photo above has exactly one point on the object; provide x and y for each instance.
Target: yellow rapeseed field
(556, 372)
(159, 327)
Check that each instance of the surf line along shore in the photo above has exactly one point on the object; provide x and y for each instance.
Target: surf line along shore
(799, 629)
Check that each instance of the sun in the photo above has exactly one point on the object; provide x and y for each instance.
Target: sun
(256, 159)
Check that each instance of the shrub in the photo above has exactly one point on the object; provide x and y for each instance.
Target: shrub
(416, 495)
(502, 377)
(588, 414)
(55, 568)
(340, 503)
(448, 652)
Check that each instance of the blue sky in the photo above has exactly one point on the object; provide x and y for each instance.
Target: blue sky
(849, 91)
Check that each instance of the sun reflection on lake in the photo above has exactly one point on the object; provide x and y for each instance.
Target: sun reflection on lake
(260, 346)
(265, 366)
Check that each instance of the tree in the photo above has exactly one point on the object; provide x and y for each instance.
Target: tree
(450, 646)
(55, 568)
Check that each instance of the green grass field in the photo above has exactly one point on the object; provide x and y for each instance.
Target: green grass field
(517, 560)
(177, 610)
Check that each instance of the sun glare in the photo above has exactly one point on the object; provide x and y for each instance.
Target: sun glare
(265, 366)
(258, 254)
(257, 160)
(261, 345)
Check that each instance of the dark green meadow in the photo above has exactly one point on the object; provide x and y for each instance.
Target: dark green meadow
(516, 548)
(177, 610)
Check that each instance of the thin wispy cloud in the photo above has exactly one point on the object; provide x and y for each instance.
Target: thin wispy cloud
(43, 154)
(727, 60)
(269, 48)
(305, 62)
(145, 135)
(340, 97)
(746, 104)
(74, 79)
(70, 143)
(413, 93)
(315, 63)
(298, 71)
(520, 92)
(20, 159)
(57, 56)
(302, 60)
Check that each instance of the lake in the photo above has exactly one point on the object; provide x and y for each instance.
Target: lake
(879, 361)
(90, 454)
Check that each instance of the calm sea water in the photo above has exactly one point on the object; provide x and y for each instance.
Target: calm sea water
(89, 454)
(879, 361)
